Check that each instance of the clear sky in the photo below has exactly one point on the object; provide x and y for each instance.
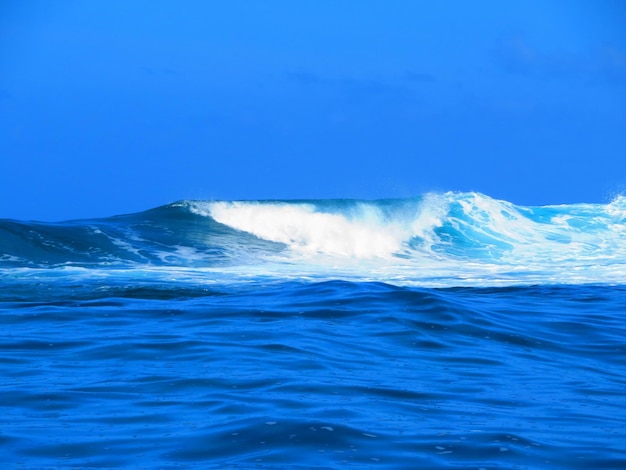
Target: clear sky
(117, 106)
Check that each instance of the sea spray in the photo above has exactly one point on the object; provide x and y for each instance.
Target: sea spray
(453, 238)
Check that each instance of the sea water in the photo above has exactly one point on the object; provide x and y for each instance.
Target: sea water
(443, 331)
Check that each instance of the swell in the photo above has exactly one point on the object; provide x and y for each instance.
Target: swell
(166, 236)
(327, 374)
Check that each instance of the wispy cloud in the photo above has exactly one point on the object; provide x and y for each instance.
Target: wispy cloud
(305, 78)
(146, 70)
(419, 77)
(353, 88)
(515, 54)
(610, 62)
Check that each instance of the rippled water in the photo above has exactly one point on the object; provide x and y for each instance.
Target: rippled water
(117, 371)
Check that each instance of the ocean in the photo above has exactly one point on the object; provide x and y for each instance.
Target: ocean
(447, 330)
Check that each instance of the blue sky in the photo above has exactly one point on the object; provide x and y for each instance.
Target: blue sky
(111, 107)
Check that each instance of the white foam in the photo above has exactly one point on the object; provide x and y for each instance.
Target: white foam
(363, 233)
(441, 239)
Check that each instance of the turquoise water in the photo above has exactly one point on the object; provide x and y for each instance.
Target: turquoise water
(446, 331)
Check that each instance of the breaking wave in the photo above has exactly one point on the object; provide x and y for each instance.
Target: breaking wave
(443, 239)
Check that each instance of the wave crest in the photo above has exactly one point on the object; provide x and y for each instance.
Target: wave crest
(455, 236)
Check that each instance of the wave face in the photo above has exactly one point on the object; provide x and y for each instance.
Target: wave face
(435, 239)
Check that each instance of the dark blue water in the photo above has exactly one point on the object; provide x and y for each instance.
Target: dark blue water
(330, 375)
(115, 352)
